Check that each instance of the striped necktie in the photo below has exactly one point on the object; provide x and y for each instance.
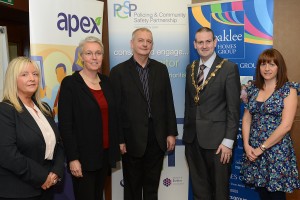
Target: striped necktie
(200, 75)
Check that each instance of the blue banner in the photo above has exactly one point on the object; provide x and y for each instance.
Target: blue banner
(243, 30)
(168, 21)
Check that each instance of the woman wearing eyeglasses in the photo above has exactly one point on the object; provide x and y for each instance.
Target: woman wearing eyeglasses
(87, 121)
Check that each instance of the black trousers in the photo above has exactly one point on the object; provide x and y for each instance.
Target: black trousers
(91, 185)
(142, 174)
(210, 178)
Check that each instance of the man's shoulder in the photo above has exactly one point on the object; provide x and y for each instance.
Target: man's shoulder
(157, 65)
(227, 62)
(121, 66)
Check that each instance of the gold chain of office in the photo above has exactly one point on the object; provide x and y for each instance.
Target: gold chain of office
(200, 87)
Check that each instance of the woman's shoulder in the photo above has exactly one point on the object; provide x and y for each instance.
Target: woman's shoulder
(251, 89)
(71, 79)
(286, 88)
(294, 85)
(6, 107)
(6, 104)
(103, 77)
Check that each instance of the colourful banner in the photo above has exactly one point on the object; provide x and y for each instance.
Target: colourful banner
(168, 22)
(55, 36)
(243, 29)
(56, 28)
(4, 57)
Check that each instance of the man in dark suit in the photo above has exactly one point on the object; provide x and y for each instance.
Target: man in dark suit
(211, 118)
(147, 115)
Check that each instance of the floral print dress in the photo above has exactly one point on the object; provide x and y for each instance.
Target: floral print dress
(276, 168)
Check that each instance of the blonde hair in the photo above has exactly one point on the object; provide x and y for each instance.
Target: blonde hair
(90, 39)
(10, 92)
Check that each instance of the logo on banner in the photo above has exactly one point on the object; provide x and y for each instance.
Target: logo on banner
(73, 23)
(229, 31)
(124, 10)
(176, 180)
(167, 182)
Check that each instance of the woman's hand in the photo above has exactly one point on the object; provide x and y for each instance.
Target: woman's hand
(250, 153)
(51, 180)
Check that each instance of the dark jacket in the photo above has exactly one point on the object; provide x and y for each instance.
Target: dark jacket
(22, 153)
(217, 115)
(133, 106)
(80, 122)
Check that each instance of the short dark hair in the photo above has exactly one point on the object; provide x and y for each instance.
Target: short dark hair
(205, 29)
(61, 65)
(268, 56)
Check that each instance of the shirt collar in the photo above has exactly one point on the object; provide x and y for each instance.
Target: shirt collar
(138, 65)
(210, 61)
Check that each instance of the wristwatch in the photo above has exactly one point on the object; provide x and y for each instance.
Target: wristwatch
(263, 147)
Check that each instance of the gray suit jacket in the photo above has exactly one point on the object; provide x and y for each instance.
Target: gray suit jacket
(217, 114)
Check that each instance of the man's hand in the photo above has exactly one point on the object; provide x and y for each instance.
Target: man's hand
(171, 143)
(226, 153)
(123, 148)
(75, 168)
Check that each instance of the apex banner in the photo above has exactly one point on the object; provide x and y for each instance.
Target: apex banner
(56, 28)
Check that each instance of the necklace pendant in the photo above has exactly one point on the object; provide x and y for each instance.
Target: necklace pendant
(196, 99)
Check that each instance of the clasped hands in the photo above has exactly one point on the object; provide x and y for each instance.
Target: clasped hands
(51, 180)
(251, 153)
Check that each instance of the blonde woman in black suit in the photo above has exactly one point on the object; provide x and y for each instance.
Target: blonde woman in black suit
(31, 152)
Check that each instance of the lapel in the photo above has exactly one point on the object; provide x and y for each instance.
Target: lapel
(216, 62)
(83, 86)
(196, 69)
(26, 117)
(105, 89)
(152, 76)
(136, 78)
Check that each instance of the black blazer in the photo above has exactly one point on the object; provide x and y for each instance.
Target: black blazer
(133, 107)
(22, 153)
(217, 115)
(80, 122)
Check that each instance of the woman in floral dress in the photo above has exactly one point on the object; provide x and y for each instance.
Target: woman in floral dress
(269, 162)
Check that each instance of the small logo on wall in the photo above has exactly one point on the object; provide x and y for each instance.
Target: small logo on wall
(124, 10)
(174, 181)
(229, 30)
(167, 182)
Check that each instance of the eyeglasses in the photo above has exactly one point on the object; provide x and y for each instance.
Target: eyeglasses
(91, 54)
